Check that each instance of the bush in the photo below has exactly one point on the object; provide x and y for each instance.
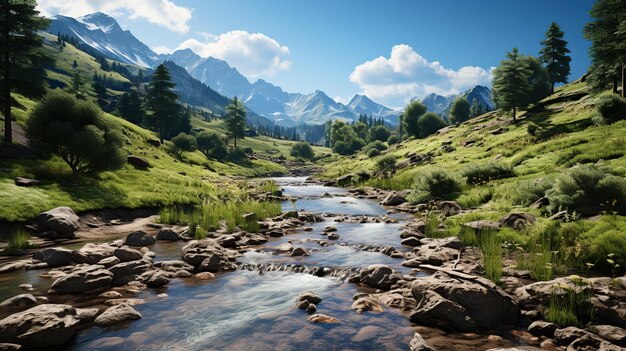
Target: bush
(238, 154)
(18, 241)
(588, 190)
(434, 184)
(386, 165)
(212, 145)
(77, 131)
(394, 139)
(460, 110)
(486, 172)
(429, 123)
(379, 133)
(612, 108)
(183, 142)
(534, 130)
(303, 150)
(372, 152)
(603, 240)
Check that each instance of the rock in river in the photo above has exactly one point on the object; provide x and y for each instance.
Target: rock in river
(54, 256)
(139, 238)
(82, 280)
(45, 326)
(22, 300)
(117, 314)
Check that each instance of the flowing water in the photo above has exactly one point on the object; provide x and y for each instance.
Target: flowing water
(253, 310)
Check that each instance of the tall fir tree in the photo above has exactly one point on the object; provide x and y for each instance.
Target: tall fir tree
(607, 33)
(162, 101)
(510, 83)
(236, 120)
(554, 55)
(22, 61)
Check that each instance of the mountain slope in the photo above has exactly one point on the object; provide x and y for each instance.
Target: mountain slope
(102, 33)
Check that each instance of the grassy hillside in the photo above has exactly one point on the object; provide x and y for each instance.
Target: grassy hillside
(564, 135)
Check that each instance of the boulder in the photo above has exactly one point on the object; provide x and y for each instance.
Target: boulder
(419, 344)
(366, 303)
(616, 335)
(167, 234)
(377, 276)
(26, 182)
(83, 280)
(207, 256)
(62, 220)
(411, 233)
(393, 200)
(125, 272)
(298, 251)
(566, 336)
(344, 180)
(411, 241)
(462, 302)
(518, 221)
(590, 342)
(249, 217)
(309, 296)
(54, 256)
(117, 314)
(14, 266)
(22, 300)
(449, 208)
(137, 161)
(541, 328)
(126, 254)
(45, 326)
(322, 318)
(139, 238)
(157, 280)
(92, 253)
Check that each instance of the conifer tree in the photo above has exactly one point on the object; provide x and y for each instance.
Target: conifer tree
(460, 110)
(236, 120)
(162, 101)
(510, 83)
(22, 60)
(554, 55)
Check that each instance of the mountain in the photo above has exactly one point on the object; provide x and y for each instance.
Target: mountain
(441, 104)
(102, 33)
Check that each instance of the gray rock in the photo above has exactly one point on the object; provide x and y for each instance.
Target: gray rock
(45, 326)
(125, 272)
(126, 254)
(62, 220)
(117, 314)
(109, 261)
(157, 280)
(419, 344)
(566, 336)
(167, 234)
(309, 296)
(610, 333)
(518, 221)
(377, 276)
(393, 200)
(449, 208)
(137, 161)
(298, 251)
(92, 253)
(411, 241)
(22, 300)
(590, 342)
(13, 266)
(174, 266)
(9, 347)
(26, 182)
(540, 328)
(139, 238)
(311, 308)
(83, 280)
(54, 256)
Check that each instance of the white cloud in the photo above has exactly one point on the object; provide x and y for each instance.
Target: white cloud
(405, 74)
(253, 54)
(343, 100)
(161, 49)
(161, 12)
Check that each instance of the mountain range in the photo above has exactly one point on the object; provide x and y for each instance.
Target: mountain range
(442, 104)
(103, 34)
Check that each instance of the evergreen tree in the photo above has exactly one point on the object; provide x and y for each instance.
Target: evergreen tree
(539, 81)
(554, 55)
(510, 82)
(460, 110)
(77, 84)
(74, 64)
(236, 120)
(608, 52)
(22, 60)
(101, 92)
(476, 109)
(129, 107)
(162, 101)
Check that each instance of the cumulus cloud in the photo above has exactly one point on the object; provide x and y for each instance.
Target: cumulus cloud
(161, 12)
(406, 74)
(253, 54)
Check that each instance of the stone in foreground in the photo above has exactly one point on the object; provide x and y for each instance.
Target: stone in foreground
(117, 314)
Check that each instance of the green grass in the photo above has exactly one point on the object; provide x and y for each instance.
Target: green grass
(571, 306)
(18, 241)
(212, 216)
(491, 250)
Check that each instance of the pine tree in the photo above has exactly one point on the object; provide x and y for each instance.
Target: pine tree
(162, 100)
(607, 51)
(554, 55)
(77, 84)
(74, 64)
(236, 120)
(22, 60)
(510, 83)
(476, 108)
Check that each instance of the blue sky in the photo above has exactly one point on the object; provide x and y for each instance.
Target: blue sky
(390, 50)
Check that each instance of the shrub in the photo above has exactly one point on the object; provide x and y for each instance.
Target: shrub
(372, 153)
(435, 184)
(588, 189)
(611, 108)
(429, 123)
(238, 154)
(379, 133)
(606, 237)
(482, 173)
(386, 165)
(303, 150)
(183, 142)
(394, 139)
(18, 241)
(212, 145)
(460, 110)
(77, 131)
(534, 130)
(522, 193)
